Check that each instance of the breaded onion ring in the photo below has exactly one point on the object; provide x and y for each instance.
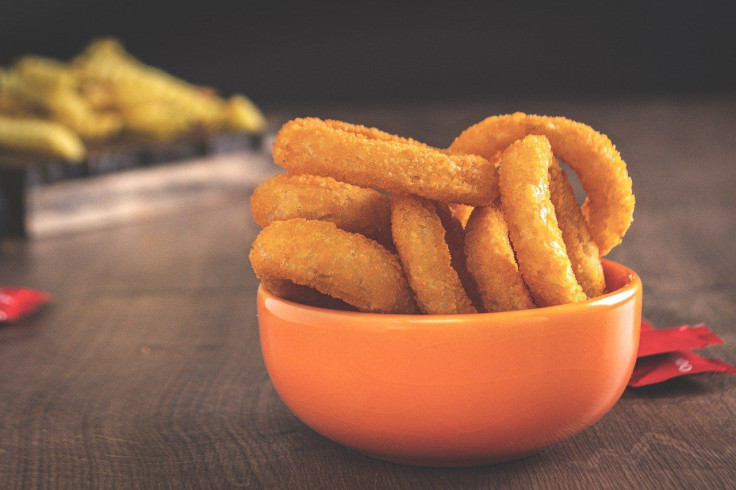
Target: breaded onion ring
(341, 264)
(371, 158)
(609, 206)
(419, 237)
(455, 238)
(492, 264)
(582, 250)
(286, 289)
(533, 229)
(350, 207)
(461, 212)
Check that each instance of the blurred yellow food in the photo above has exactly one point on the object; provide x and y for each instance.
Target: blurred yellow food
(155, 122)
(40, 137)
(132, 84)
(242, 114)
(44, 74)
(47, 88)
(105, 92)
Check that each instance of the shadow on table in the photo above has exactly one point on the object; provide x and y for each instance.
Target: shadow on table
(673, 388)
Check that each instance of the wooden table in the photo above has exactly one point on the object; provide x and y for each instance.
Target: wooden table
(146, 371)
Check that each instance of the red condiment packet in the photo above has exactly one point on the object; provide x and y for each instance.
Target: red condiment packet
(665, 354)
(659, 341)
(646, 326)
(656, 369)
(15, 303)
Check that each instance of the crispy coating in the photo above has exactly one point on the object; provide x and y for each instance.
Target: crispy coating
(492, 264)
(420, 241)
(344, 265)
(455, 238)
(609, 206)
(351, 208)
(461, 212)
(371, 158)
(582, 250)
(533, 229)
(40, 137)
(376, 134)
(286, 289)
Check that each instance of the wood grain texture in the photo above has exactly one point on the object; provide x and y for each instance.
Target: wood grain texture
(146, 371)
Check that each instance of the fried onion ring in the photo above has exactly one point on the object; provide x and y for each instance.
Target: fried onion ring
(455, 238)
(344, 265)
(419, 237)
(461, 212)
(582, 250)
(286, 289)
(492, 264)
(533, 228)
(350, 207)
(609, 206)
(371, 158)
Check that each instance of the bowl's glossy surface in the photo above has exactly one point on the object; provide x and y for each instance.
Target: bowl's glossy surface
(453, 390)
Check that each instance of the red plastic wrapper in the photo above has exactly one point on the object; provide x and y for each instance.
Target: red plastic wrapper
(16, 303)
(656, 369)
(665, 354)
(659, 341)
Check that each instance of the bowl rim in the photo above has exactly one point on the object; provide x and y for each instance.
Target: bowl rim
(620, 295)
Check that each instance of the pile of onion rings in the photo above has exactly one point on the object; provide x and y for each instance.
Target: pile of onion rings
(379, 223)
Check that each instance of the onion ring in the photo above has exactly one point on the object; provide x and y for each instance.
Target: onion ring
(286, 289)
(419, 237)
(371, 158)
(582, 250)
(492, 264)
(609, 206)
(461, 212)
(344, 265)
(455, 238)
(533, 229)
(351, 208)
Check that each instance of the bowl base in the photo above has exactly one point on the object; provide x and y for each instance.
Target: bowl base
(448, 462)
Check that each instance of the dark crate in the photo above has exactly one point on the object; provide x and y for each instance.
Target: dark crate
(19, 173)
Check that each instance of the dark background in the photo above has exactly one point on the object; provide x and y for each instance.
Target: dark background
(280, 51)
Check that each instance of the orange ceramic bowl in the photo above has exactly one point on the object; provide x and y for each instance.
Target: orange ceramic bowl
(453, 390)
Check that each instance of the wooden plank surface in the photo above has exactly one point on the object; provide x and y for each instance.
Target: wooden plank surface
(146, 371)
